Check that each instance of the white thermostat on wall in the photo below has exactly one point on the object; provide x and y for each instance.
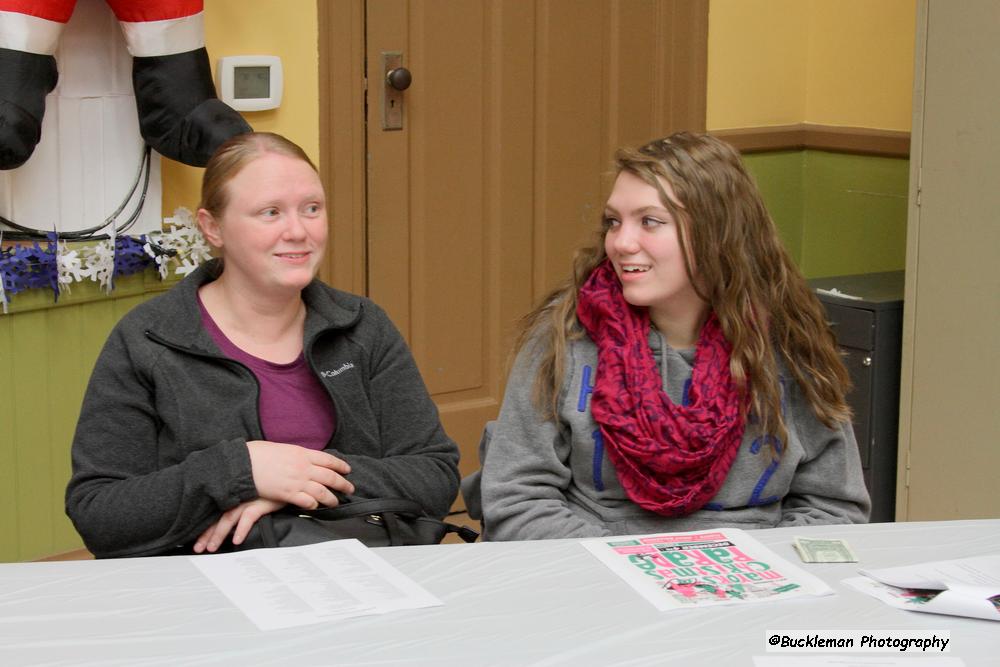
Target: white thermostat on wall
(250, 83)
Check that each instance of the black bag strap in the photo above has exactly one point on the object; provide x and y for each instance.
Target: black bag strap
(351, 506)
(266, 526)
(466, 534)
(392, 527)
(386, 509)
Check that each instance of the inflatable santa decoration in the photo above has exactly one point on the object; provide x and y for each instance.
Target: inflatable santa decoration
(180, 115)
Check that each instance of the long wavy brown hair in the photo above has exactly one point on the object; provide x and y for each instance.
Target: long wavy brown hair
(742, 271)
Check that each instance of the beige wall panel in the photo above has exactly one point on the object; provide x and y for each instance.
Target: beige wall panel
(636, 68)
(388, 182)
(447, 172)
(950, 424)
(685, 23)
(570, 130)
(342, 141)
(510, 148)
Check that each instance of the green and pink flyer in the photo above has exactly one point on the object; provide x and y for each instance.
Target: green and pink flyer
(704, 568)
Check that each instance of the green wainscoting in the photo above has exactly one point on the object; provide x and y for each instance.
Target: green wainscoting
(779, 178)
(47, 351)
(855, 214)
(837, 213)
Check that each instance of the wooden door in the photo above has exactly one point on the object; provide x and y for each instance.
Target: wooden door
(949, 422)
(471, 212)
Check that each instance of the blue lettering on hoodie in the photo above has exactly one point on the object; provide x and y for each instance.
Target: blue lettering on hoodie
(598, 459)
(586, 389)
(756, 447)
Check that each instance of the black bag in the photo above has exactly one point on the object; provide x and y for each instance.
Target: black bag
(376, 522)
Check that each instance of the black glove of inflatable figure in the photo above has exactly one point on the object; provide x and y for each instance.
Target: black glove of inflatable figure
(25, 80)
(179, 113)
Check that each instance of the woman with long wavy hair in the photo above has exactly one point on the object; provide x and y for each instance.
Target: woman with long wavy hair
(685, 377)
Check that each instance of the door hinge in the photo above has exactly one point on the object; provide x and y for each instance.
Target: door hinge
(906, 478)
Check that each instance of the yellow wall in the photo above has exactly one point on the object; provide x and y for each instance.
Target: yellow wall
(829, 62)
(756, 68)
(285, 28)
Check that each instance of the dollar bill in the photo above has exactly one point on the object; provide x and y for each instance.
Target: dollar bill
(812, 550)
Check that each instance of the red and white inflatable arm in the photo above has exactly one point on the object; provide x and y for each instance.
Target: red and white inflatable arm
(180, 115)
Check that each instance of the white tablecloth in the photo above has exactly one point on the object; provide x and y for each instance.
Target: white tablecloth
(518, 603)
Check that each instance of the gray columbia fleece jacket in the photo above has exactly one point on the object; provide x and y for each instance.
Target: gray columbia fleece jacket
(160, 448)
(547, 479)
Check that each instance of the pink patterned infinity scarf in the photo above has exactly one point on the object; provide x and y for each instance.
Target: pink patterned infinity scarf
(670, 459)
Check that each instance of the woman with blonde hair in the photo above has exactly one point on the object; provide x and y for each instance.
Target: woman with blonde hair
(684, 378)
(251, 385)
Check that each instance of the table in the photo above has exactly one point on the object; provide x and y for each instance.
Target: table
(515, 603)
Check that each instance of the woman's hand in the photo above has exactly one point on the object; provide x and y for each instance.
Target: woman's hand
(243, 517)
(291, 474)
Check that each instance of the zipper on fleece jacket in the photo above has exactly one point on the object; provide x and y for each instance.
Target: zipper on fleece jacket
(215, 357)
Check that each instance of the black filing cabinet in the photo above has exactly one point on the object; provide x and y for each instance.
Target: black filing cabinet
(866, 311)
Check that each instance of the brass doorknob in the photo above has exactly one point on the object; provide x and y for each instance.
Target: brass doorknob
(399, 78)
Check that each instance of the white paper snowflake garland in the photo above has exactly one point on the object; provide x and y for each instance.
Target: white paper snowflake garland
(179, 249)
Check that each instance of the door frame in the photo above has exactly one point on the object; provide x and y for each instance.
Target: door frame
(342, 139)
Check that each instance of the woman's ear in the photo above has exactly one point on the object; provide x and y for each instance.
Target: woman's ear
(210, 228)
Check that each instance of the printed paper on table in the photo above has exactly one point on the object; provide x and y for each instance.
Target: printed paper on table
(315, 583)
(704, 568)
(960, 587)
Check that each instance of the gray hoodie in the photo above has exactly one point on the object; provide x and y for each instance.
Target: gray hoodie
(160, 447)
(549, 479)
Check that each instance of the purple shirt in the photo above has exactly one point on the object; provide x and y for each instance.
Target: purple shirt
(294, 407)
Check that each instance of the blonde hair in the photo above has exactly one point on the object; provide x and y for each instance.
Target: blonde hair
(743, 272)
(230, 159)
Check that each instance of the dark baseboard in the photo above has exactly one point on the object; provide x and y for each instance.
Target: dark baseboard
(801, 136)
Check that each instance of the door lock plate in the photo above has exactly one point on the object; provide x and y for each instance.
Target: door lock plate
(392, 99)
